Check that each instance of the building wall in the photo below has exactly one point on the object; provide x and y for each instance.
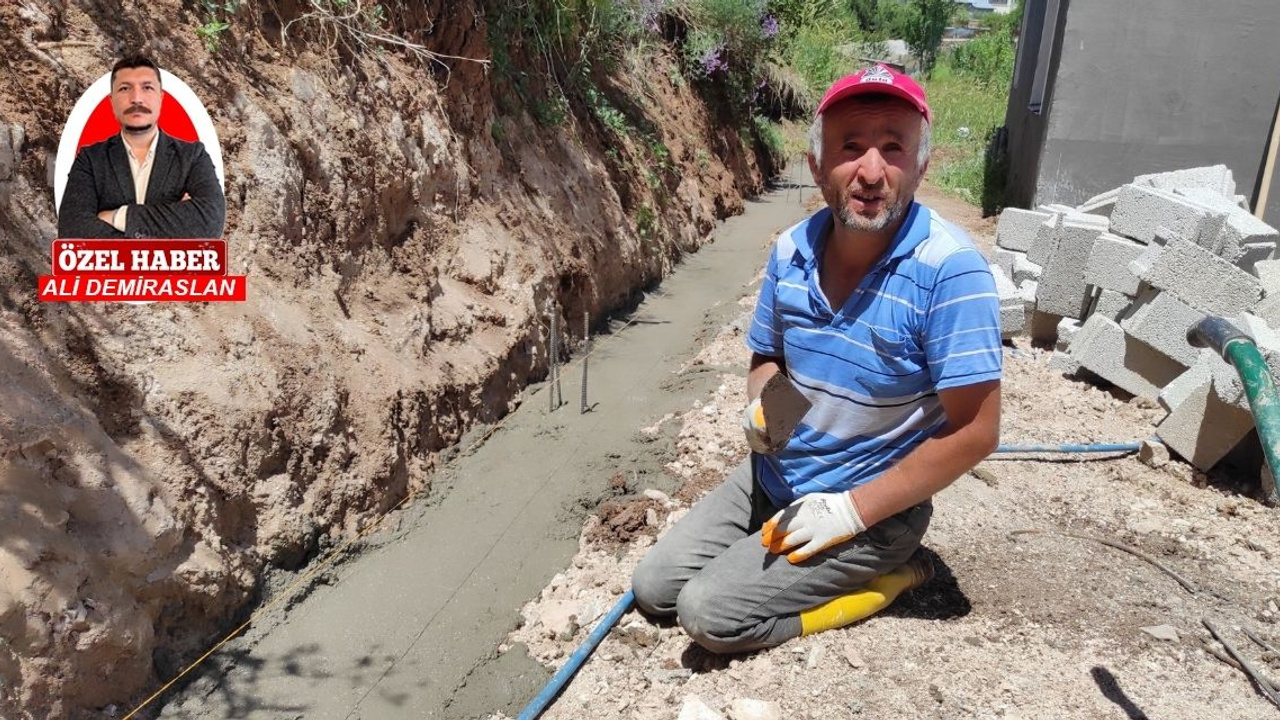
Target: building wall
(1026, 129)
(1152, 85)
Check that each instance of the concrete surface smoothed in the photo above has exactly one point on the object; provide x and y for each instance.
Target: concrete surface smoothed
(411, 629)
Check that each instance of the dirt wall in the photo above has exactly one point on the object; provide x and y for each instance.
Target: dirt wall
(402, 231)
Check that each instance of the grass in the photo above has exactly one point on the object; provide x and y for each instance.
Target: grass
(965, 114)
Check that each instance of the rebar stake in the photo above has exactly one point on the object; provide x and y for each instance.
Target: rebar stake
(553, 352)
(586, 355)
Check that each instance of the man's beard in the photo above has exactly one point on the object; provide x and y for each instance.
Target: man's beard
(138, 129)
(893, 209)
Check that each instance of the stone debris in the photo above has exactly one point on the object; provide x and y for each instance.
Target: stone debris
(749, 709)
(695, 709)
(1167, 633)
(1123, 277)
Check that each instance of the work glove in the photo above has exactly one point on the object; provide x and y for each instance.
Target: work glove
(812, 524)
(753, 427)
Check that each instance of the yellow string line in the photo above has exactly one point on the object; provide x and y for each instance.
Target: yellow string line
(325, 562)
(287, 591)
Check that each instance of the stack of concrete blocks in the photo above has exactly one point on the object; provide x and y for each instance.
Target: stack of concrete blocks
(1119, 280)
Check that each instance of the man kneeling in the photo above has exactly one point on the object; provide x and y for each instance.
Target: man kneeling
(885, 316)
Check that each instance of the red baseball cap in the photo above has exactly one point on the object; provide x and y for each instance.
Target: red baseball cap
(877, 79)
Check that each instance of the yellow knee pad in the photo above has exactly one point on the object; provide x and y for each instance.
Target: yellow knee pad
(879, 593)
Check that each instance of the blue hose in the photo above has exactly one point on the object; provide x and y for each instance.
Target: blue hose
(1095, 448)
(579, 656)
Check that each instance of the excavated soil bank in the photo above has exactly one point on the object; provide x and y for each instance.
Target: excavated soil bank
(158, 462)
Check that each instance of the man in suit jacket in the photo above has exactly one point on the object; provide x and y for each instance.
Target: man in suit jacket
(142, 182)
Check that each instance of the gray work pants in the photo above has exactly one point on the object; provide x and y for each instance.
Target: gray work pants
(731, 594)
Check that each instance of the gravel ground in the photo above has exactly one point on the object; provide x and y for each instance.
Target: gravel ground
(1041, 625)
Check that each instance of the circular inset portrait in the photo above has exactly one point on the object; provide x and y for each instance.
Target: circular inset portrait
(139, 158)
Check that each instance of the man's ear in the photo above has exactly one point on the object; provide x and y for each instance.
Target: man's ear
(813, 168)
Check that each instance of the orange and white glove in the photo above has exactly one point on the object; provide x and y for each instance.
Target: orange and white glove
(754, 428)
(812, 524)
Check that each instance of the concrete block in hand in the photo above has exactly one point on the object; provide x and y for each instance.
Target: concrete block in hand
(1109, 263)
(1063, 290)
(1140, 210)
(1017, 228)
(1202, 428)
(1201, 279)
(1160, 320)
(1217, 178)
(1103, 348)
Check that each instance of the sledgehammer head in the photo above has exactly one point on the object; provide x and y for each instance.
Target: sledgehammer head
(784, 407)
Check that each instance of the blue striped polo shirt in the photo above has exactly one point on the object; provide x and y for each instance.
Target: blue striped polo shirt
(925, 318)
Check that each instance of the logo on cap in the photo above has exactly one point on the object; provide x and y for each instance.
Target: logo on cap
(877, 74)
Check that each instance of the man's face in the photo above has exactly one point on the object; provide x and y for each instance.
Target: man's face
(135, 99)
(870, 168)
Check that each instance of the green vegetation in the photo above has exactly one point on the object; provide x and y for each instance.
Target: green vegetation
(761, 64)
(217, 20)
(924, 25)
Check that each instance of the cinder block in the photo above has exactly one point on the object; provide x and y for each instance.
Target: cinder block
(1202, 280)
(1202, 428)
(1269, 309)
(1217, 178)
(1268, 274)
(1044, 326)
(1013, 320)
(1055, 209)
(1024, 270)
(1101, 222)
(1251, 255)
(1177, 391)
(1100, 204)
(1005, 259)
(1241, 231)
(1064, 363)
(1140, 210)
(1068, 328)
(1112, 304)
(1013, 306)
(1046, 238)
(1103, 348)
(1063, 290)
(1162, 321)
(1109, 264)
(1017, 228)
